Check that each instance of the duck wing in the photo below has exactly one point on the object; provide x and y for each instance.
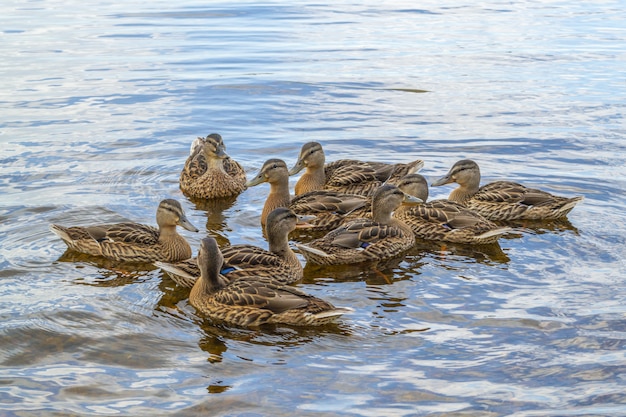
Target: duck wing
(234, 169)
(449, 213)
(249, 256)
(512, 192)
(262, 293)
(135, 233)
(351, 174)
(327, 201)
(361, 233)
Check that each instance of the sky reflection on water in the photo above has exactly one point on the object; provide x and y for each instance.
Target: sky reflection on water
(100, 102)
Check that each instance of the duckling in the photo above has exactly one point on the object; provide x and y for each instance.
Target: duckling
(366, 240)
(253, 301)
(133, 242)
(503, 200)
(209, 172)
(345, 175)
(330, 208)
(280, 262)
(444, 220)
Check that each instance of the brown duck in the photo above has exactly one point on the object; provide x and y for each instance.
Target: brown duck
(444, 220)
(253, 301)
(209, 172)
(330, 208)
(279, 262)
(133, 242)
(345, 175)
(503, 200)
(378, 238)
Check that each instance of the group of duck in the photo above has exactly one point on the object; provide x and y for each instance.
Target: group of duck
(369, 212)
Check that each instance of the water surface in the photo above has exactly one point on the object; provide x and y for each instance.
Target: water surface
(100, 101)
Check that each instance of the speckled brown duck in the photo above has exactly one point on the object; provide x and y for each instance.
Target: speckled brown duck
(330, 208)
(253, 301)
(503, 200)
(374, 239)
(345, 175)
(133, 242)
(444, 220)
(209, 172)
(279, 262)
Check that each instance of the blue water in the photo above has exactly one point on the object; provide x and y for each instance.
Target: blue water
(100, 102)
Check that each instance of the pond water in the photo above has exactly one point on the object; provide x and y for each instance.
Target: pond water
(101, 100)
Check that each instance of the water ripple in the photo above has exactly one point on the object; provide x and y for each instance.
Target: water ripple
(99, 107)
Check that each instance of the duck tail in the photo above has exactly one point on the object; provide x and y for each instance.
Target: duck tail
(61, 232)
(337, 311)
(308, 249)
(495, 232)
(415, 166)
(569, 205)
(174, 270)
(400, 170)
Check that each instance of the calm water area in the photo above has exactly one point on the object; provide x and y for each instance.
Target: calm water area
(100, 101)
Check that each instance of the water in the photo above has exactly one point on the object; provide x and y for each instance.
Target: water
(100, 102)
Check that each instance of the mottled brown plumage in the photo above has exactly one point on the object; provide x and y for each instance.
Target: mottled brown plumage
(365, 240)
(330, 208)
(444, 220)
(279, 262)
(253, 301)
(209, 172)
(345, 175)
(133, 242)
(503, 200)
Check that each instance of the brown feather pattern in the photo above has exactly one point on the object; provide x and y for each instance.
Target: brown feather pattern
(210, 173)
(444, 220)
(133, 242)
(330, 208)
(503, 200)
(279, 262)
(253, 301)
(365, 240)
(345, 175)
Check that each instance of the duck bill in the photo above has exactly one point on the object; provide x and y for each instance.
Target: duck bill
(183, 222)
(299, 166)
(304, 222)
(259, 179)
(410, 200)
(446, 179)
(220, 152)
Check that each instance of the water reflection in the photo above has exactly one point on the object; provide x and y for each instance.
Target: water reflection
(216, 218)
(540, 227)
(533, 326)
(487, 254)
(214, 345)
(174, 301)
(370, 273)
(112, 273)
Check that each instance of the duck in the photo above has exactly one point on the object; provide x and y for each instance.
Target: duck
(444, 220)
(253, 301)
(345, 175)
(209, 172)
(374, 239)
(279, 262)
(329, 208)
(503, 200)
(133, 242)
